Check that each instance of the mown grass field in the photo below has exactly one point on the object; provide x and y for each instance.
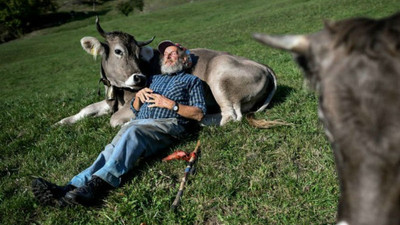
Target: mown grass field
(283, 175)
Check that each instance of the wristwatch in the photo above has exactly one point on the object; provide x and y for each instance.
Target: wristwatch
(175, 108)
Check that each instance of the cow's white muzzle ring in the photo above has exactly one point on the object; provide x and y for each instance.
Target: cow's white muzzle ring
(135, 80)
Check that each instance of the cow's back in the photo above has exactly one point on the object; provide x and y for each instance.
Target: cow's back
(233, 83)
(201, 58)
(236, 78)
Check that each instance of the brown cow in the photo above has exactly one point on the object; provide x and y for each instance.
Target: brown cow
(354, 65)
(233, 85)
(124, 65)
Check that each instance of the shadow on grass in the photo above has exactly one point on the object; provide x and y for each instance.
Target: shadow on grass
(45, 21)
(282, 92)
(59, 18)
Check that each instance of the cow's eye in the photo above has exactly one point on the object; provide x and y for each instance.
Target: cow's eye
(118, 51)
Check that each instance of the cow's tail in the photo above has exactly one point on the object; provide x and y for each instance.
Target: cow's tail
(264, 124)
(271, 89)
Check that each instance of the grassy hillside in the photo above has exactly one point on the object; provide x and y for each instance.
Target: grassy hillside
(284, 175)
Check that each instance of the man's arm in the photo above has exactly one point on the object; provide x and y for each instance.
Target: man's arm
(187, 111)
(190, 112)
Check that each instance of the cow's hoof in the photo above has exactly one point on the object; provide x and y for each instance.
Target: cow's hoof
(225, 120)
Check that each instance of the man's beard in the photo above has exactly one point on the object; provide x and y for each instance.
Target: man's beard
(166, 69)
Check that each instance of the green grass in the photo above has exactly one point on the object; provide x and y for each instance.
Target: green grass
(284, 175)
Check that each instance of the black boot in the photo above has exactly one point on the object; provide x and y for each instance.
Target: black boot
(88, 194)
(48, 193)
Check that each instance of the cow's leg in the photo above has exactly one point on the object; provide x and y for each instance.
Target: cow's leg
(123, 115)
(228, 114)
(95, 109)
(226, 106)
(238, 111)
(227, 110)
(231, 112)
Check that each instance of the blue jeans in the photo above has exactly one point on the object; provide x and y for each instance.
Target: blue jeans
(142, 137)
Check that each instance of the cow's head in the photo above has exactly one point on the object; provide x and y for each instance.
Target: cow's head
(122, 57)
(355, 67)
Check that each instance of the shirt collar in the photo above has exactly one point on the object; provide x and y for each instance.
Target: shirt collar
(173, 74)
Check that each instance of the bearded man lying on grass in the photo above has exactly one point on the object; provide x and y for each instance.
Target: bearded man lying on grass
(164, 111)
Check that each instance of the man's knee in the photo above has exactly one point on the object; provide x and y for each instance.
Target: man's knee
(135, 131)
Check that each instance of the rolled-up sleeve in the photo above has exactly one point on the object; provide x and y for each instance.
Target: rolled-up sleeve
(135, 112)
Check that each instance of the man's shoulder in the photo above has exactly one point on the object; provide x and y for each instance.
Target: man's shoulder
(190, 76)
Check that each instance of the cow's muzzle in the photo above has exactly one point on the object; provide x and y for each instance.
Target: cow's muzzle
(136, 81)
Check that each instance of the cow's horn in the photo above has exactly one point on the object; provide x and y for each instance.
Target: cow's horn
(294, 43)
(99, 29)
(143, 43)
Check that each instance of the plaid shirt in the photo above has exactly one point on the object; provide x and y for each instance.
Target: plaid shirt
(183, 88)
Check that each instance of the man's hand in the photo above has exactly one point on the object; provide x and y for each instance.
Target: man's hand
(143, 94)
(157, 100)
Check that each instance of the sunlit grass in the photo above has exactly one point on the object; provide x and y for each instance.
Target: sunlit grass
(284, 175)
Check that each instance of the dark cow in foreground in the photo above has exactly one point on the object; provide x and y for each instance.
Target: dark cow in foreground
(354, 65)
(233, 84)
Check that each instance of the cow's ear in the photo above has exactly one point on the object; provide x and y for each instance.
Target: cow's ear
(146, 53)
(295, 43)
(92, 46)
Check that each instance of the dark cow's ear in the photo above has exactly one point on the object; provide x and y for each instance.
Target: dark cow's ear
(329, 25)
(92, 46)
(146, 53)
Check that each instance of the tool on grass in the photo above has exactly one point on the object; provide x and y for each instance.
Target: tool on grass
(193, 156)
(179, 154)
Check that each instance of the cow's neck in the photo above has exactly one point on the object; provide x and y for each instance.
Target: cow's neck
(104, 78)
(111, 89)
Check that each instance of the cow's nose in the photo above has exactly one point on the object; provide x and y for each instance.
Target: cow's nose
(136, 78)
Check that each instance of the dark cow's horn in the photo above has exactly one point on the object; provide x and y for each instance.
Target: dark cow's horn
(143, 43)
(99, 29)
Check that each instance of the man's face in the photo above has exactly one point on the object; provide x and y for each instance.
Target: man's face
(171, 63)
(170, 56)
